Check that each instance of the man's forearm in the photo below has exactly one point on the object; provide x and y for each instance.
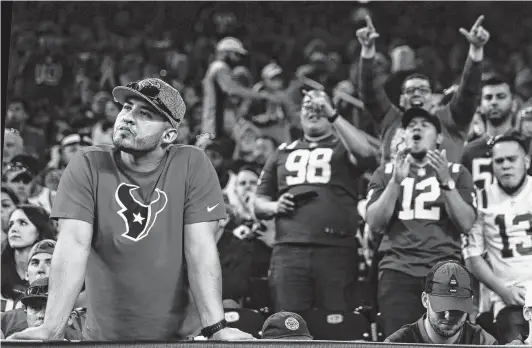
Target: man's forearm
(464, 102)
(374, 97)
(354, 140)
(482, 271)
(461, 213)
(205, 279)
(380, 212)
(265, 208)
(67, 273)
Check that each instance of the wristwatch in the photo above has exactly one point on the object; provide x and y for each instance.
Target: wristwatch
(209, 331)
(449, 185)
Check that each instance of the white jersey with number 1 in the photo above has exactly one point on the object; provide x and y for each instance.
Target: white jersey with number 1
(504, 231)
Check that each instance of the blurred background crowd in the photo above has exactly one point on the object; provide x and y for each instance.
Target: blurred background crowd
(65, 59)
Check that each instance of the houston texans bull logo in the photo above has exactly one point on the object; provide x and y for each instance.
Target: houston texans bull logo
(139, 218)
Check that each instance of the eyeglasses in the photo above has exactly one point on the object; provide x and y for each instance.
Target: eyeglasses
(152, 93)
(422, 90)
(37, 290)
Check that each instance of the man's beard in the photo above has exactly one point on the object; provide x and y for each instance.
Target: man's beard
(146, 144)
(497, 121)
(445, 333)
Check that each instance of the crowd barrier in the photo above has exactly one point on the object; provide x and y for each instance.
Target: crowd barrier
(213, 344)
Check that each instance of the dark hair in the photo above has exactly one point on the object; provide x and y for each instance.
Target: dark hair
(41, 219)
(497, 80)
(19, 100)
(267, 137)
(511, 136)
(11, 195)
(416, 76)
(45, 230)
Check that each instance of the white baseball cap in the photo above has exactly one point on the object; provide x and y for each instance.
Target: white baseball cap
(231, 44)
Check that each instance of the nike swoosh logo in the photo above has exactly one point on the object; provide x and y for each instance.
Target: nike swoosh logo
(209, 209)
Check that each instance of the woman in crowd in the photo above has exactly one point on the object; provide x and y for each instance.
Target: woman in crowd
(28, 224)
(9, 202)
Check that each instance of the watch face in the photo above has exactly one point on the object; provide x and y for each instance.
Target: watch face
(451, 184)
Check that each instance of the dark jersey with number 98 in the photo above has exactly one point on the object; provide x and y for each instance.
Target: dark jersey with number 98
(421, 232)
(324, 167)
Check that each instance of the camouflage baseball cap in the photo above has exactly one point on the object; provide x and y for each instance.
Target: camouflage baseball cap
(163, 97)
(448, 285)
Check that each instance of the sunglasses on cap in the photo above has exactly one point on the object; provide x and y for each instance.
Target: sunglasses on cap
(37, 290)
(152, 93)
(13, 131)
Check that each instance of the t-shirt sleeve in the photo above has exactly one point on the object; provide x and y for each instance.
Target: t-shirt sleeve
(377, 183)
(75, 194)
(204, 198)
(267, 185)
(465, 185)
(473, 240)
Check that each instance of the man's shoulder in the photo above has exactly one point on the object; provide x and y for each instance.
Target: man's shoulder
(185, 151)
(407, 334)
(477, 144)
(96, 152)
(13, 321)
(218, 65)
(474, 334)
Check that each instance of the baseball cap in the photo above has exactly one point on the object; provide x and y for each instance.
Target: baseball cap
(448, 285)
(231, 44)
(163, 97)
(18, 170)
(271, 70)
(45, 246)
(72, 139)
(412, 113)
(285, 325)
(37, 291)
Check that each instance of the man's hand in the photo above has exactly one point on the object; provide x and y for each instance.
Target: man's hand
(320, 102)
(203, 142)
(285, 204)
(403, 159)
(39, 333)
(367, 35)
(477, 36)
(231, 334)
(438, 161)
(514, 295)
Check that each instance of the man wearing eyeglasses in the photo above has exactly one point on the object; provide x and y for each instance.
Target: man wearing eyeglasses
(417, 92)
(130, 217)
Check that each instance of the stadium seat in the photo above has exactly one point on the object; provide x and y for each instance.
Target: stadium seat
(247, 320)
(328, 325)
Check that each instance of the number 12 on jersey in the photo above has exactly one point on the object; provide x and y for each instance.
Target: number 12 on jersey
(415, 208)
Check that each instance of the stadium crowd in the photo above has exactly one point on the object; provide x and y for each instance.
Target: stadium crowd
(376, 176)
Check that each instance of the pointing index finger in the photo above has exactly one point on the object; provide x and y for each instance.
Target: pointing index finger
(479, 21)
(369, 23)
